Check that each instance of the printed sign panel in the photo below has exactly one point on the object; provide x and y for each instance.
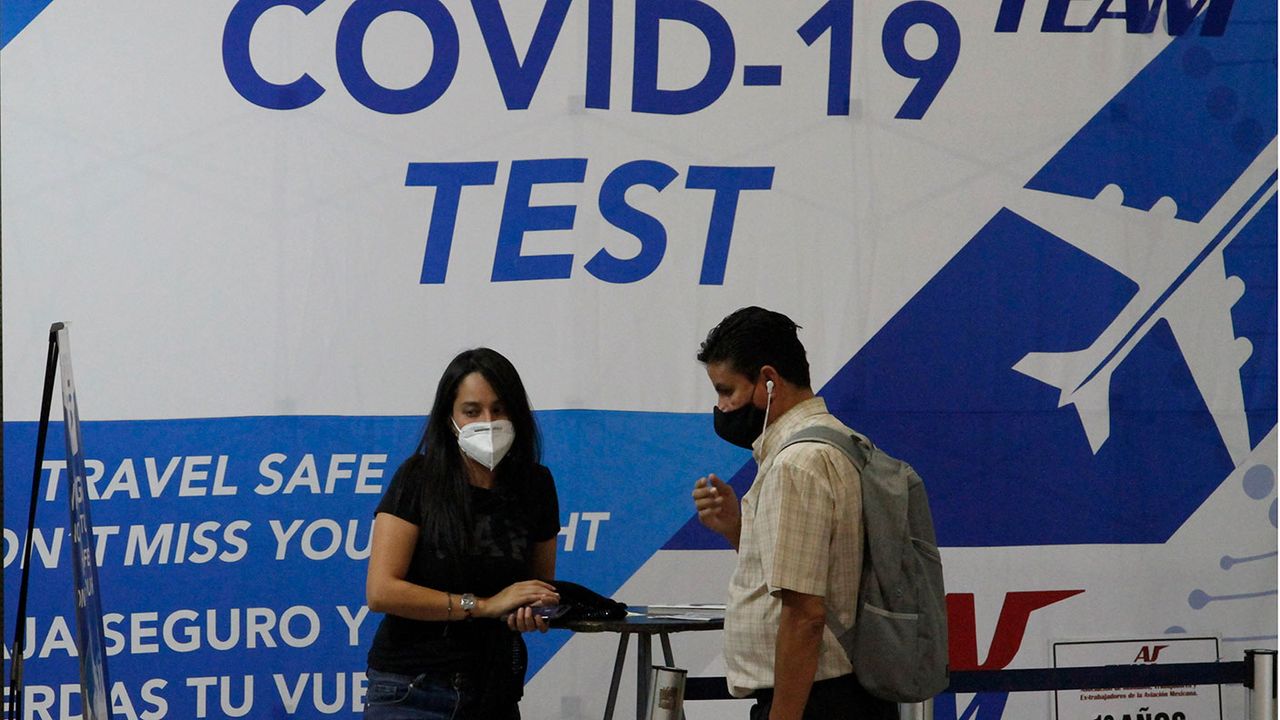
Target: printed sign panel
(1031, 245)
(94, 683)
(1187, 701)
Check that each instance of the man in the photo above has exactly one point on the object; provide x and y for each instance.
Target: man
(798, 531)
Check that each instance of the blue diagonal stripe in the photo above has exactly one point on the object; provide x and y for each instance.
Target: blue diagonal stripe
(15, 15)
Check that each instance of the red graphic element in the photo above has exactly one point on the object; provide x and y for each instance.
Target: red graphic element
(1149, 653)
(1010, 628)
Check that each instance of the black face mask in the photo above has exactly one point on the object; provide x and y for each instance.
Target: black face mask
(740, 427)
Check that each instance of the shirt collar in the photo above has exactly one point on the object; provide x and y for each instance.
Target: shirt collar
(780, 430)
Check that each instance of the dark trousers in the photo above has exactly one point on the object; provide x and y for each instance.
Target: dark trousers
(841, 698)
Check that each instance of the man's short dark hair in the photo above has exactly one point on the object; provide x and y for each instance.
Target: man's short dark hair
(752, 337)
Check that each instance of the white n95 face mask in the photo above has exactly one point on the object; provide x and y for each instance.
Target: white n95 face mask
(486, 442)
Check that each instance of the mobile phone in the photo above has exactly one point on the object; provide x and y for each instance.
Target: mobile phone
(550, 612)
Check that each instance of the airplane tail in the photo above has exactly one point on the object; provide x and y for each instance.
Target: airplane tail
(1066, 371)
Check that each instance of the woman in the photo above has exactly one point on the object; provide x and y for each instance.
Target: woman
(464, 547)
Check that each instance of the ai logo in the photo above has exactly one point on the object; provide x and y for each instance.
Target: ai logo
(1149, 653)
(1011, 628)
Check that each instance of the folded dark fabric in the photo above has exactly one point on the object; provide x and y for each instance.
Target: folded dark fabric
(585, 604)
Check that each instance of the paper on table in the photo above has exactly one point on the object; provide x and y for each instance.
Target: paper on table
(687, 611)
(698, 608)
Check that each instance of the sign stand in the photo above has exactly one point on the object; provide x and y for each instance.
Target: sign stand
(91, 647)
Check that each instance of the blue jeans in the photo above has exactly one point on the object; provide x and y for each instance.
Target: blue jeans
(430, 696)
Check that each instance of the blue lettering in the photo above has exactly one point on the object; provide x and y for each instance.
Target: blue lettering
(239, 66)
(448, 179)
(727, 182)
(599, 53)
(518, 217)
(646, 228)
(1055, 18)
(1215, 18)
(837, 16)
(1140, 16)
(519, 81)
(645, 94)
(1010, 16)
(1105, 12)
(350, 52)
(1180, 16)
(933, 71)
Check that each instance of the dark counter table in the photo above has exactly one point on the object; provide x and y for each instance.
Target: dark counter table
(644, 627)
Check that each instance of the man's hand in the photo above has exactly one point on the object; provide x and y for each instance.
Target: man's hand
(718, 509)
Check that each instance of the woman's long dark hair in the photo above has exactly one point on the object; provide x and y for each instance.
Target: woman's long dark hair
(446, 495)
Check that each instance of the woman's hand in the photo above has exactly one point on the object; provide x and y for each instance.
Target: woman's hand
(524, 619)
(516, 596)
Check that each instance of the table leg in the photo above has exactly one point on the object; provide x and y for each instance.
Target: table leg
(617, 675)
(644, 661)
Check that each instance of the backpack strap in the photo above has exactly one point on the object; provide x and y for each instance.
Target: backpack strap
(855, 446)
(858, 449)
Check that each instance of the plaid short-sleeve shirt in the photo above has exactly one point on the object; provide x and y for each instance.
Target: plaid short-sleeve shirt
(801, 531)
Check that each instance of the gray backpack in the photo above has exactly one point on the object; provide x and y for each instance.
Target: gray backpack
(898, 645)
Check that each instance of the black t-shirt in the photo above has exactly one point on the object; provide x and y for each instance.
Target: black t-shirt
(508, 520)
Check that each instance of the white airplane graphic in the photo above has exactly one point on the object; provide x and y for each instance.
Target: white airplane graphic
(1181, 279)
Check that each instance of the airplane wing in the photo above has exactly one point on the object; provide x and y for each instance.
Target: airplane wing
(1200, 316)
(1146, 246)
(1199, 312)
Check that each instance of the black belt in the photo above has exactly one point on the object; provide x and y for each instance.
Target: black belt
(455, 680)
(767, 693)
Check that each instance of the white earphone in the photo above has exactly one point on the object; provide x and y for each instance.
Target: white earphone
(768, 402)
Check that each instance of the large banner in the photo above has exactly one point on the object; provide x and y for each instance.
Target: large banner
(1031, 244)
